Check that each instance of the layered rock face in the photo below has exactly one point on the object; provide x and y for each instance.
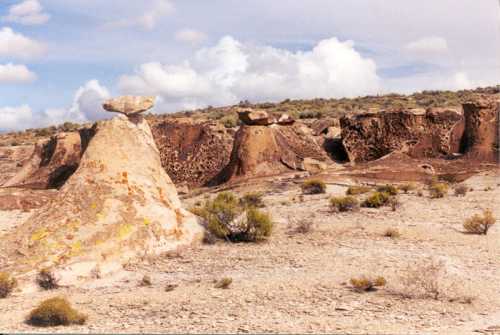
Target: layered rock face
(119, 205)
(420, 133)
(482, 126)
(53, 161)
(192, 153)
(12, 159)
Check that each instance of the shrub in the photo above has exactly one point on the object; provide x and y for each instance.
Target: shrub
(420, 193)
(221, 212)
(450, 178)
(376, 200)
(389, 189)
(314, 186)
(438, 190)
(55, 312)
(365, 284)
(480, 224)
(394, 203)
(300, 227)
(392, 233)
(252, 199)
(7, 284)
(47, 280)
(224, 283)
(344, 204)
(461, 190)
(422, 280)
(229, 121)
(146, 281)
(355, 190)
(257, 226)
(407, 187)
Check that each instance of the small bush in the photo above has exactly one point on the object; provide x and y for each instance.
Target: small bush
(449, 178)
(55, 312)
(365, 284)
(392, 233)
(423, 280)
(314, 186)
(420, 193)
(389, 189)
(376, 200)
(224, 283)
(344, 204)
(252, 199)
(229, 121)
(47, 280)
(407, 187)
(146, 281)
(356, 190)
(394, 203)
(487, 189)
(438, 190)
(7, 284)
(301, 227)
(461, 190)
(258, 226)
(480, 224)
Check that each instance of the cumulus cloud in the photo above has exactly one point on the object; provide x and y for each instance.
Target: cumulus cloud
(11, 73)
(232, 71)
(28, 12)
(190, 36)
(148, 20)
(13, 44)
(15, 118)
(428, 45)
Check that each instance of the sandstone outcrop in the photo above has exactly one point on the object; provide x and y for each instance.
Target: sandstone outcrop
(192, 152)
(482, 126)
(12, 158)
(255, 117)
(129, 105)
(419, 133)
(52, 162)
(118, 206)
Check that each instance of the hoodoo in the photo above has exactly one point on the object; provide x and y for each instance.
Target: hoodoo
(118, 206)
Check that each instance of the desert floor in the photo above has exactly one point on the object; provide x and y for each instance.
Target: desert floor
(299, 283)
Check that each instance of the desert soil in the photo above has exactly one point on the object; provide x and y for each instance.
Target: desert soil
(299, 283)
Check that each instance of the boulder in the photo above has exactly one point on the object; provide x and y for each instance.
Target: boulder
(119, 206)
(321, 126)
(255, 117)
(285, 120)
(481, 136)
(129, 105)
(419, 133)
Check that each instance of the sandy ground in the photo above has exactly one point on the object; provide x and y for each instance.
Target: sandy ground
(300, 282)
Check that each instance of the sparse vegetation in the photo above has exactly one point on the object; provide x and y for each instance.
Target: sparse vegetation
(422, 280)
(224, 283)
(376, 200)
(449, 178)
(356, 190)
(407, 187)
(438, 190)
(299, 227)
(392, 233)
(461, 190)
(252, 199)
(146, 281)
(7, 284)
(313, 186)
(47, 280)
(365, 284)
(55, 312)
(480, 224)
(389, 189)
(344, 204)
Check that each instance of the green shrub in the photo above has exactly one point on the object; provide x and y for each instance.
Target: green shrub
(438, 190)
(344, 204)
(376, 200)
(407, 187)
(257, 227)
(252, 199)
(355, 190)
(314, 186)
(461, 190)
(389, 189)
(7, 284)
(229, 121)
(480, 224)
(55, 312)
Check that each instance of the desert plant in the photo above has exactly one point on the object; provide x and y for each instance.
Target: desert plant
(355, 190)
(461, 190)
(220, 213)
(438, 190)
(394, 203)
(146, 281)
(257, 226)
(480, 224)
(407, 187)
(344, 204)
(299, 227)
(422, 280)
(7, 284)
(365, 284)
(47, 280)
(389, 189)
(420, 193)
(392, 233)
(229, 121)
(313, 186)
(449, 178)
(224, 283)
(55, 312)
(252, 199)
(376, 200)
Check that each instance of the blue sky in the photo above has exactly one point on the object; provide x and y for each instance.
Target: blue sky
(60, 58)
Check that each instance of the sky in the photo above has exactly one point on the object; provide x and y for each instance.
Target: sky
(59, 59)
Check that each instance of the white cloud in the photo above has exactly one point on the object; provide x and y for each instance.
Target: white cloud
(190, 36)
(15, 118)
(148, 20)
(28, 12)
(11, 73)
(232, 71)
(13, 44)
(428, 45)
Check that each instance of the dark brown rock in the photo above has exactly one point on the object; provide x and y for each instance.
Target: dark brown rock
(255, 117)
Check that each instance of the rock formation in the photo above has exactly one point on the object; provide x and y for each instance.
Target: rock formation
(481, 137)
(53, 161)
(419, 133)
(255, 117)
(118, 206)
(129, 105)
(12, 159)
(192, 152)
